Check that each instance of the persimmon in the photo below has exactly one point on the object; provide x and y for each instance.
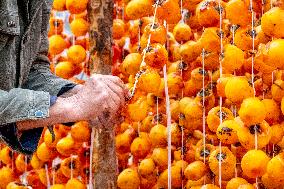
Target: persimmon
(76, 54)
(56, 44)
(156, 56)
(138, 110)
(227, 132)
(208, 13)
(124, 140)
(49, 140)
(176, 178)
(70, 166)
(244, 39)
(254, 163)
(216, 115)
(146, 167)
(261, 36)
(211, 59)
(190, 109)
(81, 131)
(246, 135)
(65, 70)
(233, 58)
(160, 157)
(141, 146)
(176, 134)
(228, 162)
(234, 183)
(210, 39)
(148, 182)
(79, 27)
(174, 107)
(237, 89)
(277, 133)
(169, 10)
(195, 170)
(237, 11)
(6, 176)
(128, 179)
(158, 135)
(44, 153)
(252, 111)
(272, 111)
(277, 90)
(189, 51)
(275, 168)
(74, 183)
(76, 6)
(175, 84)
(274, 54)
(65, 146)
(190, 89)
(158, 34)
(35, 162)
(131, 63)
(6, 155)
(200, 77)
(203, 152)
(137, 9)
(55, 26)
(272, 22)
(118, 28)
(271, 182)
(59, 5)
(22, 163)
(207, 95)
(150, 81)
(182, 32)
(62, 129)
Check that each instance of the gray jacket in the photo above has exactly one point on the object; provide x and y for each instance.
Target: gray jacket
(28, 96)
(26, 82)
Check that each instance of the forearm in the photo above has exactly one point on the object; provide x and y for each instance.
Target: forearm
(61, 112)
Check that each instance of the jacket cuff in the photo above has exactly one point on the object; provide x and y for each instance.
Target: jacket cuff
(24, 104)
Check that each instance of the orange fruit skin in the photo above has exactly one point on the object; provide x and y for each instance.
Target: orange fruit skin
(56, 44)
(76, 54)
(65, 70)
(76, 6)
(79, 27)
(74, 183)
(59, 5)
(80, 131)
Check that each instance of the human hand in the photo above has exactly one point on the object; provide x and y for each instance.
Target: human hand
(101, 96)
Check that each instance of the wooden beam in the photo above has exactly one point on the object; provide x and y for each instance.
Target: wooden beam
(104, 161)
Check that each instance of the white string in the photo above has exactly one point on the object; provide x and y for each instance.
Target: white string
(90, 185)
(168, 125)
(220, 98)
(47, 176)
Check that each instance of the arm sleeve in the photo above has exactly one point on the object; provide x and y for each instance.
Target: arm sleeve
(40, 77)
(33, 101)
(22, 104)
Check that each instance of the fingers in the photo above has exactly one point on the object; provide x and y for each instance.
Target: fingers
(113, 79)
(114, 97)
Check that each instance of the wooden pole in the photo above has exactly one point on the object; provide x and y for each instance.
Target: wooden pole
(100, 13)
